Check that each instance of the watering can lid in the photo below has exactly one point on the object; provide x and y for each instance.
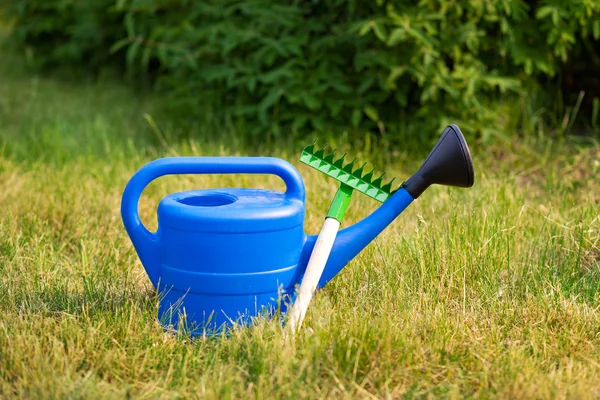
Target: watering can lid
(231, 211)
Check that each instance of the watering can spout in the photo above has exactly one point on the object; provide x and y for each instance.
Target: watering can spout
(352, 240)
(449, 163)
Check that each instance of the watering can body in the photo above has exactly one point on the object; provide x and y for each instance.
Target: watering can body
(219, 256)
(224, 256)
(227, 255)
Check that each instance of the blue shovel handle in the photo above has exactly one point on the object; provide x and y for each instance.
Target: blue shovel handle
(144, 241)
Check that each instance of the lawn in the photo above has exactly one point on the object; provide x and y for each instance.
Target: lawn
(490, 292)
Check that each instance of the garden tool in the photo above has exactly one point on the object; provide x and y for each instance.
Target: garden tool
(350, 180)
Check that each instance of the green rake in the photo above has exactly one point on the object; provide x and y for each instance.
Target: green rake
(350, 180)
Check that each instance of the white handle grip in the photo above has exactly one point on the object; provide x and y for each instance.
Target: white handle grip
(314, 270)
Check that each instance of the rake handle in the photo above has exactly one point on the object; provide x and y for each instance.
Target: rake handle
(320, 255)
(340, 203)
(314, 270)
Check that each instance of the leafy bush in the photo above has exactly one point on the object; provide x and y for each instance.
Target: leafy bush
(337, 64)
(65, 32)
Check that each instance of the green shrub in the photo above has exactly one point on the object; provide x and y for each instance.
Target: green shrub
(75, 33)
(334, 64)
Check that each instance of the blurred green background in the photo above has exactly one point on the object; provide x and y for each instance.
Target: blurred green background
(400, 70)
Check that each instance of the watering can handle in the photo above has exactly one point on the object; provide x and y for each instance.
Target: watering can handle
(144, 241)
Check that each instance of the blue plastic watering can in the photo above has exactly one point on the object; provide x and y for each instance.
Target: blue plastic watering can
(221, 256)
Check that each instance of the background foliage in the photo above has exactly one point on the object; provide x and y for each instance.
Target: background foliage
(301, 65)
(56, 33)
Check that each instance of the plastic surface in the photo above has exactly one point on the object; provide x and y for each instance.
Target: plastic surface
(219, 251)
(350, 241)
(449, 163)
(314, 270)
(145, 242)
(340, 203)
(356, 179)
(221, 256)
(231, 211)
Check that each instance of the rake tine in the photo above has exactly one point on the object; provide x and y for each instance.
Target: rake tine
(340, 162)
(319, 153)
(358, 173)
(349, 166)
(377, 182)
(367, 178)
(310, 148)
(329, 158)
(388, 187)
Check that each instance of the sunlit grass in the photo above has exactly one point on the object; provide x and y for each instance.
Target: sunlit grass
(488, 292)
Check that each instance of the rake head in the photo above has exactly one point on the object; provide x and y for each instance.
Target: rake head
(357, 179)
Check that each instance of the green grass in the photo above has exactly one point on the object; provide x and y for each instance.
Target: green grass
(488, 292)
